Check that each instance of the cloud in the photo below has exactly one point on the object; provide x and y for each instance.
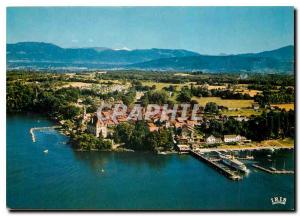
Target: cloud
(74, 41)
(91, 40)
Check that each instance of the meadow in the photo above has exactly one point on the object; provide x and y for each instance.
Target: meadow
(230, 103)
(286, 106)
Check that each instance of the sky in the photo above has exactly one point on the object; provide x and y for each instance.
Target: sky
(207, 30)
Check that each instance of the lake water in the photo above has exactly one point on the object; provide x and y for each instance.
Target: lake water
(65, 179)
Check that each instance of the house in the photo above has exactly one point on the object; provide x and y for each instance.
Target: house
(233, 138)
(97, 127)
(255, 106)
(178, 124)
(241, 118)
(213, 140)
(183, 148)
(187, 131)
(191, 123)
(152, 127)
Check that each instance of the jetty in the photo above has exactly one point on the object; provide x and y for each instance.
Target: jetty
(218, 166)
(273, 171)
(40, 129)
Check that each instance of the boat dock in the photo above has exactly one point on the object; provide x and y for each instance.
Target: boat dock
(40, 128)
(273, 171)
(218, 166)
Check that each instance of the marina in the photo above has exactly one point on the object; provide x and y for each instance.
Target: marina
(216, 163)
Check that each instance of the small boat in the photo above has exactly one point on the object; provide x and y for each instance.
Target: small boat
(102, 170)
(269, 155)
(46, 151)
(272, 149)
(249, 157)
(162, 153)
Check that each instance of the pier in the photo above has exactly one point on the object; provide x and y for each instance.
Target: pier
(273, 171)
(214, 163)
(40, 128)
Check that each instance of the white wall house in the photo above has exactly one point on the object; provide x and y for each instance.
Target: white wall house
(233, 138)
(213, 140)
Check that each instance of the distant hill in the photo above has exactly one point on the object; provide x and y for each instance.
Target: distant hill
(46, 55)
(279, 60)
(283, 53)
(46, 52)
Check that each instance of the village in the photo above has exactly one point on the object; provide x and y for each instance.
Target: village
(185, 136)
(187, 132)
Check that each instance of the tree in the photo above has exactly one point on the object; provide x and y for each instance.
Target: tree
(215, 128)
(69, 111)
(154, 97)
(232, 126)
(90, 142)
(184, 96)
(211, 107)
(138, 137)
(123, 132)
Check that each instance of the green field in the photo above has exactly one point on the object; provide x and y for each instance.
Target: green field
(286, 106)
(242, 112)
(230, 103)
(160, 85)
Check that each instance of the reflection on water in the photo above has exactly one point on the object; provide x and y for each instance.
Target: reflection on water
(139, 160)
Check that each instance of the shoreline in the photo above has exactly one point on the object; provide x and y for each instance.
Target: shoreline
(59, 128)
(249, 148)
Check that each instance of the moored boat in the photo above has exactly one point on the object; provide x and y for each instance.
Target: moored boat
(232, 162)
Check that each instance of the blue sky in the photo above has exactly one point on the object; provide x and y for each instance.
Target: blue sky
(207, 30)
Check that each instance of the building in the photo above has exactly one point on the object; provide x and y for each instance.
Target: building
(233, 138)
(255, 106)
(97, 127)
(183, 148)
(152, 127)
(241, 118)
(213, 140)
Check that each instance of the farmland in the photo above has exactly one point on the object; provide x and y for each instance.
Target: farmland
(242, 112)
(224, 102)
(287, 106)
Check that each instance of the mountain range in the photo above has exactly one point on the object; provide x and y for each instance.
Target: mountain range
(40, 55)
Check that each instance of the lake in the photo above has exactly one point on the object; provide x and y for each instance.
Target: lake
(66, 179)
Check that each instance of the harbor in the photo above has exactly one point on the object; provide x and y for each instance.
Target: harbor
(218, 165)
(231, 166)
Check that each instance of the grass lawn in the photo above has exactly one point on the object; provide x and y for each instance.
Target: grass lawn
(251, 92)
(284, 106)
(77, 84)
(160, 85)
(287, 142)
(210, 87)
(279, 142)
(224, 102)
(242, 112)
